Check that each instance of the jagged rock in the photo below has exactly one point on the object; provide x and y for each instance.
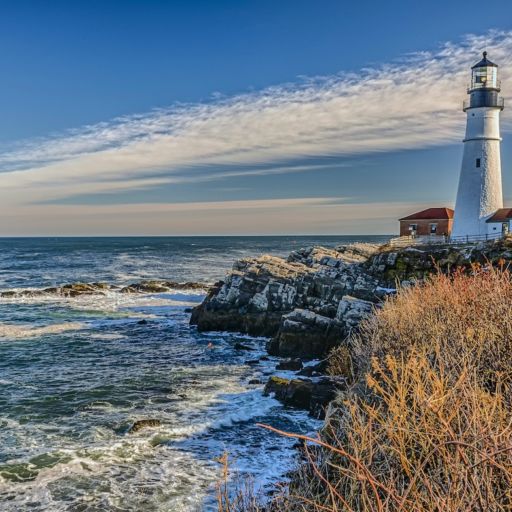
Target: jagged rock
(253, 297)
(259, 291)
(303, 333)
(160, 286)
(314, 369)
(102, 286)
(414, 263)
(254, 382)
(78, 289)
(341, 255)
(140, 424)
(351, 311)
(290, 364)
(313, 396)
(312, 301)
(307, 371)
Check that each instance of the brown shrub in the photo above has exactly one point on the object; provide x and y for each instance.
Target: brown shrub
(428, 424)
(463, 321)
(423, 443)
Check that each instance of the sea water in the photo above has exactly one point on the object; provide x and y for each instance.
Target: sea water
(76, 373)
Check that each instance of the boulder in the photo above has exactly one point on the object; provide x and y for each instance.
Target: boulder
(351, 311)
(77, 289)
(140, 424)
(306, 334)
(307, 371)
(307, 394)
(314, 369)
(290, 364)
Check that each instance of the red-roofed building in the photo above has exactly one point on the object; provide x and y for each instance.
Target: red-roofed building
(429, 222)
(499, 221)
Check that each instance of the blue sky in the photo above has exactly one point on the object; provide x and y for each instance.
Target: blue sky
(213, 117)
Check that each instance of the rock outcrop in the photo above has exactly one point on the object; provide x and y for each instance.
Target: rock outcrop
(312, 301)
(413, 263)
(311, 395)
(141, 424)
(78, 289)
(303, 333)
(260, 291)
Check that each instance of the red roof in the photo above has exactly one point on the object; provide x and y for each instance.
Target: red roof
(431, 214)
(501, 215)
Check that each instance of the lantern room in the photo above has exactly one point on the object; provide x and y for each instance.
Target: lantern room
(485, 86)
(484, 75)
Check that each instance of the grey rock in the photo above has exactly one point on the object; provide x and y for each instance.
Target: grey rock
(290, 364)
(140, 424)
(308, 394)
(303, 333)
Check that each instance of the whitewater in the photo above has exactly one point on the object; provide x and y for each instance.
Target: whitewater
(77, 372)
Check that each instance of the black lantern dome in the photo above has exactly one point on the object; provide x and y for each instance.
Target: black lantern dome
(485, 62)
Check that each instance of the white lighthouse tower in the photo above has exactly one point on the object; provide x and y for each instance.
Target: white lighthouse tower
(480, 193)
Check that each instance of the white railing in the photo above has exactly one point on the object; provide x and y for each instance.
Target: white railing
(475, 238)
(403, 241)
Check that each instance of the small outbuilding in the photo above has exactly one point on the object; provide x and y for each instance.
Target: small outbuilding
(499, 222)
(429, 222)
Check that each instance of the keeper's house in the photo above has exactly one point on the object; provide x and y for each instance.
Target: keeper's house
(499, 222)
(429, 222)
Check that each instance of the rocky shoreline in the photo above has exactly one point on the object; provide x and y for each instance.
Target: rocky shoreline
(312, 301)
(80, 289)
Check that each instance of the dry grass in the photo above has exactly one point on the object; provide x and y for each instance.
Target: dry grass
(428, 425)
(235, 493)
(463, 321)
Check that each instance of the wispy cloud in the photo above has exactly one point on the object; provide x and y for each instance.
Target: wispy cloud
(411, 103)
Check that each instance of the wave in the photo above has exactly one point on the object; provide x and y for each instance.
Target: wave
(25, 331)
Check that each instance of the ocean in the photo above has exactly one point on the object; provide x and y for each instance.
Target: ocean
(76, 373)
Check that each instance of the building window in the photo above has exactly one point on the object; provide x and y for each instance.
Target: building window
(478, 162)
(413, 227)
(433, 228)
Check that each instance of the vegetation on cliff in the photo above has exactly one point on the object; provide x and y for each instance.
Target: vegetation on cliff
(427, 423)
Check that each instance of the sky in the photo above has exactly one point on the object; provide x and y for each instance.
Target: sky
(237, 117)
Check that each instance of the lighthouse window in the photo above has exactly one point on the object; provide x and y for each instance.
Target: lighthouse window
(478, 162)
(485, 77)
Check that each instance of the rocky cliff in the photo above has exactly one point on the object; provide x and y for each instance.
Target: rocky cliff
(311, 302)
(306, 302)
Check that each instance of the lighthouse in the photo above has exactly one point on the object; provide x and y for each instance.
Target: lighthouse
(480, 194)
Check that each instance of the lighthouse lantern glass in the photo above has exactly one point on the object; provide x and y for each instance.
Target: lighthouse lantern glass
(484, 77)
